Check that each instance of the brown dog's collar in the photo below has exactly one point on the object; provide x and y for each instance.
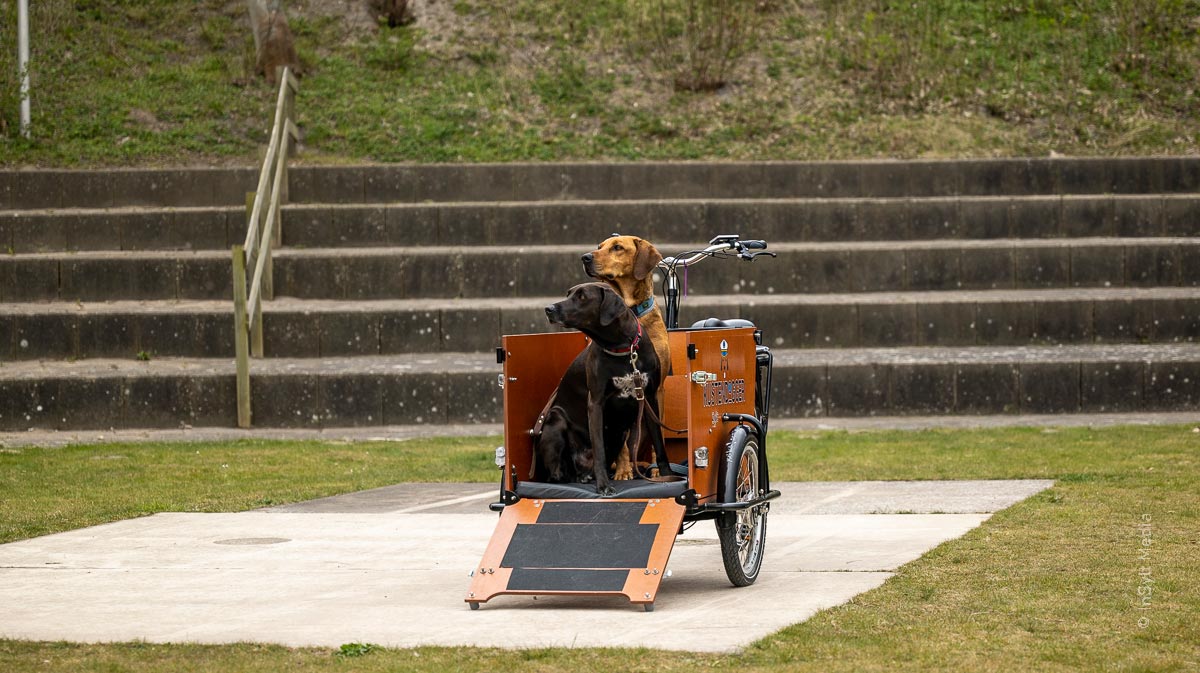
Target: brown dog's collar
(644, 307)
(628, 349)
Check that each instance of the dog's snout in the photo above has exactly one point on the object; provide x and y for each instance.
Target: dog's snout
(552, 312)
(589, 264)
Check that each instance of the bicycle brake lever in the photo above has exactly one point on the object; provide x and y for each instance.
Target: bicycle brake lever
(749, 256)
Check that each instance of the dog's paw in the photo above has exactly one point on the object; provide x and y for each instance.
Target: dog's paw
(654, 472)
(623, 469)
(606, 491)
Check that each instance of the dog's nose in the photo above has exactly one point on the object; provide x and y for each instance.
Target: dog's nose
(587, 259)
(551, 311)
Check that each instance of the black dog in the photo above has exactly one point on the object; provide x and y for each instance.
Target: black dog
(564, 454)
(602, 389)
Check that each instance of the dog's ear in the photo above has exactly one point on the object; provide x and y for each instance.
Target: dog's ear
(647, 258)
(611, 307)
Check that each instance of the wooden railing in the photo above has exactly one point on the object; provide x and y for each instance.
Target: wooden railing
(262, 233)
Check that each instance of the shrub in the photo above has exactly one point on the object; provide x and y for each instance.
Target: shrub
(697, 43)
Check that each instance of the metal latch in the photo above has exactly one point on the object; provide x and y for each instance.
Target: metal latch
(703, 377)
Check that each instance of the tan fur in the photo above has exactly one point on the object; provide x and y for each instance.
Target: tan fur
(616, 263)
(627, 264)
(623, 470)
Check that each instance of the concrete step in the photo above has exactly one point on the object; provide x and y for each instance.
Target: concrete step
(332, 328)
(173, 392)
(461, 388)
(109, 188)
(640, 180)
(988, 380)
(584, 223)
(28, 188)
(505, 271)
(141, 228)
(776, 220)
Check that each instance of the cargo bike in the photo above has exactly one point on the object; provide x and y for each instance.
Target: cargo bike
(564, 539)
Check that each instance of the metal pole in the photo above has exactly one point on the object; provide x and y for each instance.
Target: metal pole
(23, 61)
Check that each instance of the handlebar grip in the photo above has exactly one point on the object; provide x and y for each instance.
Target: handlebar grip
(755, 245)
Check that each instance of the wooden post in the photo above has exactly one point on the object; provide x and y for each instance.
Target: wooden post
(250, 244)
(277, 238)
(250, 196)
(278, 198)
(240, 337)
(289, 136)
(256, 325)
(268, 279)
(256, 331)
(256, 337)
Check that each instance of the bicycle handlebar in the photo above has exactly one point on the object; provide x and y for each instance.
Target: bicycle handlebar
(719, 244)
(728, 245)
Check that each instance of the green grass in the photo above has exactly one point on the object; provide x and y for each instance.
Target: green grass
(46, 490)
(170, 81)
(1050, 584)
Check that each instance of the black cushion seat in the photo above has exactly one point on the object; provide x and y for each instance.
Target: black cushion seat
(717, 323)
(631, 488)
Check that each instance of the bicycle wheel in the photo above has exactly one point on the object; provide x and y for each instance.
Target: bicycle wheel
(743, 534)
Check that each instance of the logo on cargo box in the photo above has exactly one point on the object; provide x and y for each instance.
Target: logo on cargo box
(724, 348)
(717, 393)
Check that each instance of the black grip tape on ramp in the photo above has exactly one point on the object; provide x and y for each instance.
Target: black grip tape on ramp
(574, 579)
(591, 512)
(597, 545)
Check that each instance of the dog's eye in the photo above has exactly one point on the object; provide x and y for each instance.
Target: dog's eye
(617, 248)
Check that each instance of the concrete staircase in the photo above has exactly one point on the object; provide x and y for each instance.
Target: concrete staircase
(966, 287)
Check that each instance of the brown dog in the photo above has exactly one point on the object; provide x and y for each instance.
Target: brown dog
(627, 264)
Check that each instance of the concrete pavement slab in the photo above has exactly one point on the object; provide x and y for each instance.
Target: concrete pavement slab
(395, 573)
(803, 497)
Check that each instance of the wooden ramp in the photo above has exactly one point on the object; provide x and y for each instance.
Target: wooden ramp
(579, 547)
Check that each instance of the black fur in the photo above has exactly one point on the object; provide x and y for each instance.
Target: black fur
(563, 452)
